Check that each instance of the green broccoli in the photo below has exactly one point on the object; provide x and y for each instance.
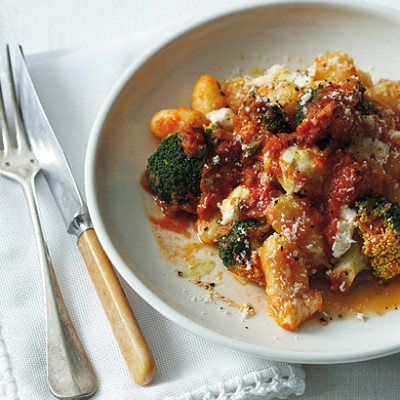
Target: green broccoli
(379, 226)
(276, 120)
(237, 246)
(173, 176)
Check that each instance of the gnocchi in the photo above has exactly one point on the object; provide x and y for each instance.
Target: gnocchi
(282, 171)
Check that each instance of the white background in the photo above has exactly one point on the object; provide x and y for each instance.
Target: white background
(52, 25)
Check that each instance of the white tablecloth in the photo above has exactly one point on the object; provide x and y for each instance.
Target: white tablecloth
(54, 28)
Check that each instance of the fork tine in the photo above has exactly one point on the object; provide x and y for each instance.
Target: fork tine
(20, 133)
(69, 372)
(5, 130)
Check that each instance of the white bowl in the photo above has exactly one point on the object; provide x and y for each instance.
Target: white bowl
(121, 142)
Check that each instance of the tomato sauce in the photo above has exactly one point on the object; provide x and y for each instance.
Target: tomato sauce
(299, 170)
(178, 224)
(365, 296)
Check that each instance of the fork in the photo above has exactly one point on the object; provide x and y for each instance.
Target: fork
(69, 371)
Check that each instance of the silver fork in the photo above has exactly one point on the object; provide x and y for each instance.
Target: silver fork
(69, 372)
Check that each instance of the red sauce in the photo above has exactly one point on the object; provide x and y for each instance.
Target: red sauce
(179, 224)
(191, 139)
(251, 156)
(331, 112)
(272, 150)
(365, 296)
(247, 128)
(220, 174)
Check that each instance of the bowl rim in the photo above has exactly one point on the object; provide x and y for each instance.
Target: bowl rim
(139, 287)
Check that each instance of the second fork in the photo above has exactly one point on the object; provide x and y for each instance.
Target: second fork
(69, 372)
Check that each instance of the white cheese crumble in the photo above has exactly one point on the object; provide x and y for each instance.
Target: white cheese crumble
(216, 159)
(272, 74)
(306, 97)
(311, 71)
(222, 117)
(230, 207)
(365, 147)
(300, 79)
(344, 234)
(342, 286)
(361, 317)
(296, 159)
(394, 134)
(280, 72)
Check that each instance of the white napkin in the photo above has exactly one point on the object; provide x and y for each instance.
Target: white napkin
(72, 86)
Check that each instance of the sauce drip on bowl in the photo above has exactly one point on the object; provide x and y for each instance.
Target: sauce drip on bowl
(367, 297)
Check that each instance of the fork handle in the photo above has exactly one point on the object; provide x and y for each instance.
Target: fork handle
(69, 371)
(124, 325)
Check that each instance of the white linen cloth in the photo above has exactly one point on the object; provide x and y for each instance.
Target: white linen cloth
(72, 86)
(47, 25)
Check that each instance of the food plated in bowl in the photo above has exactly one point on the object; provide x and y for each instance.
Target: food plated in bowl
(121, 143)
(291, 174)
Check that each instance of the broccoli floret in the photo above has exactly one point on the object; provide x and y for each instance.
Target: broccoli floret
(173, 176)
(237, 246)
(380, 207)
(276, 120)
(379, 225)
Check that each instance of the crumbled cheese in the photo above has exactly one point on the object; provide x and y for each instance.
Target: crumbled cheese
(222, 117)
(342, 286)
(272, 74)
(280, 72)
(230, 207)
(361, 317)
(296, 159)
(344, 234)
(306, 97)
(394, 153)
(311, 71)
(365, 147)
(394, 134)
(300, 79)
(216, 159)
